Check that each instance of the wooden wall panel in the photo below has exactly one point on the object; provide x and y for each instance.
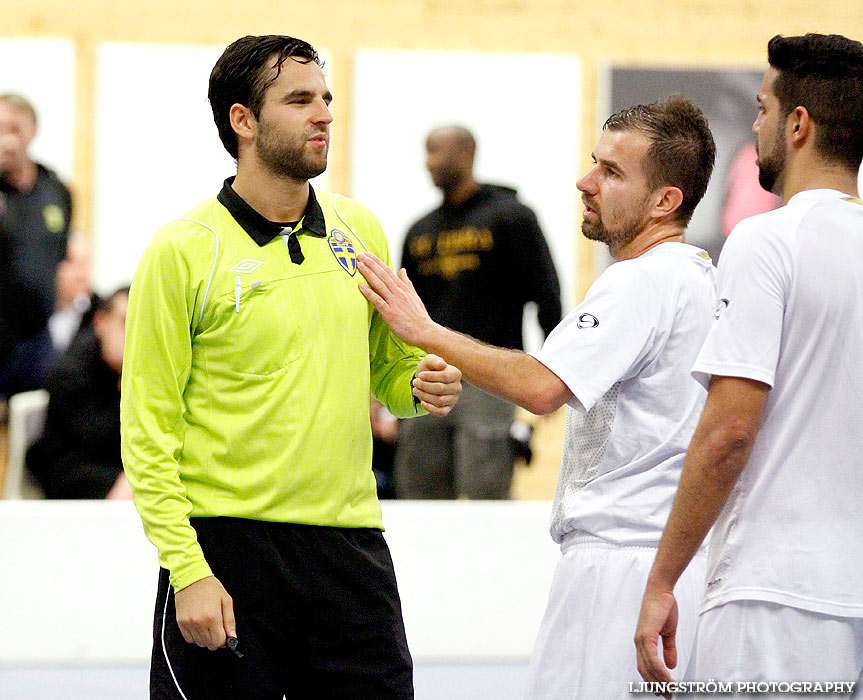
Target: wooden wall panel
(675, 32)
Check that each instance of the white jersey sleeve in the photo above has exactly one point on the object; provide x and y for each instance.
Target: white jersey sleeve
(606, 338)
(754, 276)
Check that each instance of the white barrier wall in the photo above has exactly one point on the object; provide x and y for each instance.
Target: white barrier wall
(77, 580)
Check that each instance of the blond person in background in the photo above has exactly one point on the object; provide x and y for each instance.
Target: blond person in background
(35, 209)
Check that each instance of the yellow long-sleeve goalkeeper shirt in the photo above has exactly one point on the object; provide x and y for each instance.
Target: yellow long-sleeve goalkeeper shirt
(246, 373)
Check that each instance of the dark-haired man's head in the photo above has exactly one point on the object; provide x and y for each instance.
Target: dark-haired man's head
(822, 74)
(662, 152)
(292, 138)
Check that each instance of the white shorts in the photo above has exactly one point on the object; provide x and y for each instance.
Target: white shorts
(753, 640)
(585, 649)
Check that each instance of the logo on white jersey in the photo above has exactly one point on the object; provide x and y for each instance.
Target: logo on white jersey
(245, 266)
(587, 321)
(721, 305)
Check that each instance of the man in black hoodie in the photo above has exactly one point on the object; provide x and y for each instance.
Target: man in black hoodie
(475, 261)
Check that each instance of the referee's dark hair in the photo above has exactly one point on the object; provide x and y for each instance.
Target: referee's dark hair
(682, 151)
(824, 74)
(244, 72)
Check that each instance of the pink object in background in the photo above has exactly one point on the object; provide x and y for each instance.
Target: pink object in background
(744, 197)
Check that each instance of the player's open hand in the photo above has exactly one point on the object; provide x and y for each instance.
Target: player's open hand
(437, 385)
(395, 298)
(205, 613)
(658, 618)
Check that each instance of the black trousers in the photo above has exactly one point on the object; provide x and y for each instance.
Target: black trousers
(318, 618)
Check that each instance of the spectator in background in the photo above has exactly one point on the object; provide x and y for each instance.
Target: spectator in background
(475, 261)
(78, 456)
(76, 301)
(35, 208)
(32, 357)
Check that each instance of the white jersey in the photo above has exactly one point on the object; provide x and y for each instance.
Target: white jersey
(790, 314)
(625, 353)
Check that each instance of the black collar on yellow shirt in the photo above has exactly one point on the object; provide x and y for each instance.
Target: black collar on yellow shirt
(262, 230)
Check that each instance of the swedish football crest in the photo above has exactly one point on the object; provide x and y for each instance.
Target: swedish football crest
(343, 250)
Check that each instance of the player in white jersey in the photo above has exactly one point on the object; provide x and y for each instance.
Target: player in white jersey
(620, 361)
(776, 459)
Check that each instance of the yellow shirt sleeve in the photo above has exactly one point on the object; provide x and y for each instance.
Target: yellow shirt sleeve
(156, 365)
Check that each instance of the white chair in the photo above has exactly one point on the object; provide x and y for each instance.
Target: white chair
(26, 422)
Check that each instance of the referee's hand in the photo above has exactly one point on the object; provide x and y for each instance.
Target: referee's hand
(205, 613)
(437, 385)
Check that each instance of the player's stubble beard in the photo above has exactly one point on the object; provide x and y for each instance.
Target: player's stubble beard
(622, 234)
(287, 157)
(771, 163)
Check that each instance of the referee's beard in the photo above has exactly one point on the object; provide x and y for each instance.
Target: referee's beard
(290, 158)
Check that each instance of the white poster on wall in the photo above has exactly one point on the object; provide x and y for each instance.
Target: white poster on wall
(524, 109)
(43, 72)
(158, 152)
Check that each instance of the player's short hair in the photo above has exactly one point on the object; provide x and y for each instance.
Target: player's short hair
(20, 103)
(244, 72)
(681, 152)
(824, 74)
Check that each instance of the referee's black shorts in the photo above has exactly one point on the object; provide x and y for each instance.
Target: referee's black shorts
(318, 618)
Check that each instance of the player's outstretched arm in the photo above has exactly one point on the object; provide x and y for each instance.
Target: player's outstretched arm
(397, 301)
(510, 374)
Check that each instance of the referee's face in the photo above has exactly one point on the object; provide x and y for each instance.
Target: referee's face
(292, 135)
(615, 191)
